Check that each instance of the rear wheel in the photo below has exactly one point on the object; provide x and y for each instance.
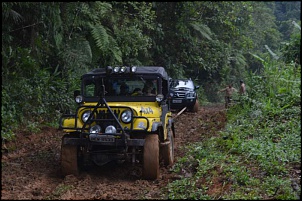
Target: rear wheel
(151, 157)
(69, 159)
(168, 150)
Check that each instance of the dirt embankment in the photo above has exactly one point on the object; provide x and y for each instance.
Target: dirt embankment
(31, 165)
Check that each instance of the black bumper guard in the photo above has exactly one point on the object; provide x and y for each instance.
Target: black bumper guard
(120, 139)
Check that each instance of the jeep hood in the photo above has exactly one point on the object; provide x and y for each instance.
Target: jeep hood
(147, 109)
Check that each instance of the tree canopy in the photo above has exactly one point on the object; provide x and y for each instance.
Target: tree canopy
(46, 46)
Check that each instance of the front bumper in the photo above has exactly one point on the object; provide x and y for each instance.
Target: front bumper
(181, 103)
(108, 142)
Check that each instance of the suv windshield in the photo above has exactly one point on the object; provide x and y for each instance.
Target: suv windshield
(183, 84)
(117, 86)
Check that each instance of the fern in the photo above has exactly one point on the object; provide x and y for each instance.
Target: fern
(115, 51)
(100, 36)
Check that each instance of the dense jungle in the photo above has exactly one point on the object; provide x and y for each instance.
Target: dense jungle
(251, 150)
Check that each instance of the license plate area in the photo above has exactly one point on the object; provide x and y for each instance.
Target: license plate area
(176, 101)
(101, 138)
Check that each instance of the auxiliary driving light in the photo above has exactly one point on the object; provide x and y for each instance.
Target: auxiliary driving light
(123, 69)
(96, 129)
(79, 99)
(133, 69)
(110, 129)
(116, 69)
(159, 97)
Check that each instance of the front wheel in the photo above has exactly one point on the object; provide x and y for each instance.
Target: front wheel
(195, 107)
(151, 157)
(69, 159)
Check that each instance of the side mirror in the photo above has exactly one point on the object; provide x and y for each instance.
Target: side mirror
(196, 87)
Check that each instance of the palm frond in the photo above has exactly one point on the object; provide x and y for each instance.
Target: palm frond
(275, 56)
(296, 25)
(202, 29)
(257, 57)
(9, 13)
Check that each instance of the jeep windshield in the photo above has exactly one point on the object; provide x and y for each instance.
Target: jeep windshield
(119, 86)
(125, 84)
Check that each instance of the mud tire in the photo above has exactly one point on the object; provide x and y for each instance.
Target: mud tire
(151, 157)
(69, 159)
(195, 107)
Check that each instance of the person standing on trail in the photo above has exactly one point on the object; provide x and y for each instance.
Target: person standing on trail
(242, 88)
(229, 90)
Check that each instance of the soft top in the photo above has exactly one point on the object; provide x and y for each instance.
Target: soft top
(151, 70)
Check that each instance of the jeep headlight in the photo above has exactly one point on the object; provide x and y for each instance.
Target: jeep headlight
(86, 115)
(95, 129)
(126, 116)
(110, 129)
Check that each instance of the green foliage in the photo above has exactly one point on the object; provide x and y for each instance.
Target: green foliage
(46, 47)
(291, 49)
(255, 152)
(30, 95)
(58, 191)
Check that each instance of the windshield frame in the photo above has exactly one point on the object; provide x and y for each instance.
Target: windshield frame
(101, 88)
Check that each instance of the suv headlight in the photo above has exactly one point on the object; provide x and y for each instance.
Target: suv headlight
(86, 115)
(126, 116)
(190, 95)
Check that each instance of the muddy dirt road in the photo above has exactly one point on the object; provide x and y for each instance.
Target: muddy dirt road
(31, 165)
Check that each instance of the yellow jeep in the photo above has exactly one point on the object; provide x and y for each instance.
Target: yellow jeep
(123, 114)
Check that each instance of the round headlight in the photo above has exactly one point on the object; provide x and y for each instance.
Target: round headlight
(79, 99)
(110, 129)
(95, 129)
(159, 97)
(86, 115)
(126, 116)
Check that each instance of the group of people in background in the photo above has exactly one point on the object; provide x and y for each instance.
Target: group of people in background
(229, 90)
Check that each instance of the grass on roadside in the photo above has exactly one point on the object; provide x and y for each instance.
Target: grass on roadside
(257, 155)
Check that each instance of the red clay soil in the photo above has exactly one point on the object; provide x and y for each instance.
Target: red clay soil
(31, 165)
